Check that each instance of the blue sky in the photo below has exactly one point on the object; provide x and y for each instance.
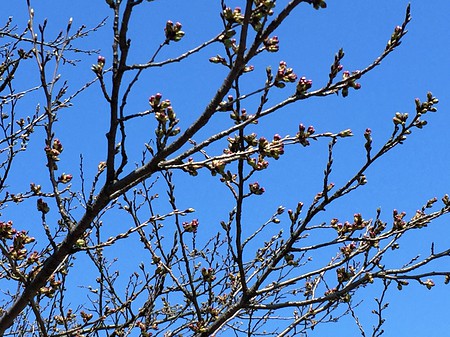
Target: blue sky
(404, 179)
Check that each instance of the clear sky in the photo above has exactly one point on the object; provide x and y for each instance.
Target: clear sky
(404, 179)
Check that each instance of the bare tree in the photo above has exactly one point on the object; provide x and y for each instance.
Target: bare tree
(195, 279)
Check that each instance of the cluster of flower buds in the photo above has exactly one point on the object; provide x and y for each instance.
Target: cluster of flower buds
(191, 167)
(33, 258)
(309, 287)
(349, 228)
(155, 259)
(217, 166)
(344, 275)
(7, 231)
(144, 329)
(258, 164)
(303, 85)
(336, 67)
(160, 269)
(420, 123)
(256, 189)
(214, 312)
(272, 44)
(273, 149)
(55, 150)
(284, 75)
(346, 298)
(361, 179)
(317, 197)
(36, 189)
(419, 219)
(368, 137)
(22, 54)
(98, 68)
(156, 103)
(290, 260)
(164, 114)
(52, 287)
(20, 122)
(348, 249)
(345, 133)
(197, 326)
(431, 202)
(218, 59)
(233, 283)
(233, 15)
(64, 178)
(276, 147)
(330, 291)
(400, 118)
(264, 6)
(17, 198)
(227, 105)
(228, 176)
(423, 107)
(303, 134)
(143, 326)
(251, 139)
(394, 41)
(17, 250)
(208, 275)
(233, 145)
(398, 223)
(191, 227)
(241, 117)
(85, 316)
(351, 81)
(229, 43)
(317, 4)
(373, 231)
(262, 10)
(428, 283)
(267, 4)
(173, 31)
(293, 215)
(280, 210)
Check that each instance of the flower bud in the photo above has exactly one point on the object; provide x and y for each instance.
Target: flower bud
(256, 189)
(42, 206)
(64, 178)
(191, 227)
